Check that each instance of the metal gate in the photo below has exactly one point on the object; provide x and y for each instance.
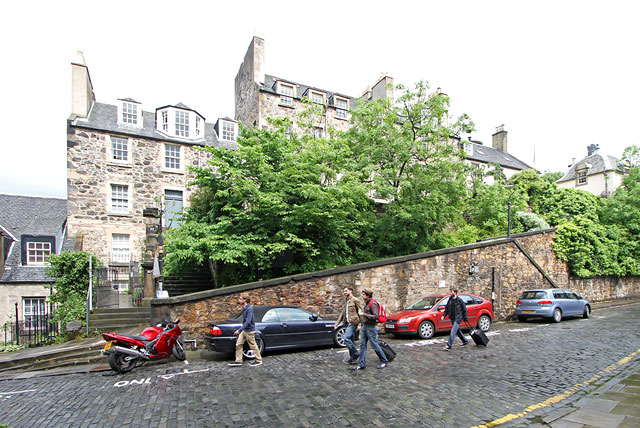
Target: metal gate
(117, 286)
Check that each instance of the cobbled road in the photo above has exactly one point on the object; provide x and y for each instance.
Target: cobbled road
(529, 370)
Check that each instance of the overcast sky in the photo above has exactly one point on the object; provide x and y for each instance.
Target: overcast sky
(560, 75)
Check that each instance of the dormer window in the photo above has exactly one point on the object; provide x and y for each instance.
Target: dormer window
(342, 105)
(165, 121)
(468, 148)
(198, 126)
(129, 113)
(287, 92)
(316, 97)
(581, 177)
(228, 131)
(182, 123)
(38, 253)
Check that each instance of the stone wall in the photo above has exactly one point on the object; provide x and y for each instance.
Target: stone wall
(497, 264)
(12, 293)
(90, 173)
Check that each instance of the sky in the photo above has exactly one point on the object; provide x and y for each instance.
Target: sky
(559, 75)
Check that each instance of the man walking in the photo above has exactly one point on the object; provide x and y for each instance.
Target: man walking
(457, 311)
(349, 316)
(246, 333)
(369, 331)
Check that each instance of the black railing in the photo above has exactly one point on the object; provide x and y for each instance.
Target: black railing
(34, 331)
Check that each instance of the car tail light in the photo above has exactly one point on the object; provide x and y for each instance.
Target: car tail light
(215, 331)
(518, 302)
(544, 302)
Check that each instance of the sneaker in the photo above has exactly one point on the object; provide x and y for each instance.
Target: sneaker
(358, 368)
(381, 365)
(234, 364)
(256, 364)
(465, 343)
(447, 348)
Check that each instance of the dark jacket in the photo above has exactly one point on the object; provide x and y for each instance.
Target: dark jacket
(456, 309)
(370, 313)
(248, 321)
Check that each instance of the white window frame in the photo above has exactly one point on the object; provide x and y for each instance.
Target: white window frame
(38, 253)
(198, 121)
(341, 110)
(113, 149)
(581, 177)
(228, 130)
(316, 97)
(120, 247)
(182, 123)
(168, 160)
(287, 93)
(118, 199)
(164, 117)
(28, 312)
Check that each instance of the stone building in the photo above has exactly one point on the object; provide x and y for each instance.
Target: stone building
(31, 229)
(122, 159)
(597, 174)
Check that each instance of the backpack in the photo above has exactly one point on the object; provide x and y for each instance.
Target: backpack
(382, 311)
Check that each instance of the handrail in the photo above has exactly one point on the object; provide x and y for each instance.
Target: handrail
(527, 255)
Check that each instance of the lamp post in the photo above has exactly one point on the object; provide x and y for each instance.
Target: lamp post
(509, 186)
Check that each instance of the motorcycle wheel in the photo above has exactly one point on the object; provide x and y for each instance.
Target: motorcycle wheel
(121, 363)
(178, 350)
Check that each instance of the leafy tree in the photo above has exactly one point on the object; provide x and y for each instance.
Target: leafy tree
(631, 156)
(71, 272)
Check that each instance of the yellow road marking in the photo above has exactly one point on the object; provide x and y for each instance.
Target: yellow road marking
(557, 398)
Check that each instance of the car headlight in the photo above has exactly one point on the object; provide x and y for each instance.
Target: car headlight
(405, 320)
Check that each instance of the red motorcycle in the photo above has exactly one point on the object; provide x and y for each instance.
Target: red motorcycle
(154, 343)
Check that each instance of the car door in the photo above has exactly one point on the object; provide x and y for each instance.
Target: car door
(443, 324)
(299, 330)
(574, 303)
(472, 309)
(561, 301)
(270, 328)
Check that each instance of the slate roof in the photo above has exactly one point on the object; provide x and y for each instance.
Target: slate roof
(599, 164)
(28, 215)
(487, 154)
(302, 90)
(103, 117)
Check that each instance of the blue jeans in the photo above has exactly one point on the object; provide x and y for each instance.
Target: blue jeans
(455, 329)
(370, 333)
(349, 336)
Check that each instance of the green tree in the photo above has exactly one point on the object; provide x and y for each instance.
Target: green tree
(69, 291)
(631, 156)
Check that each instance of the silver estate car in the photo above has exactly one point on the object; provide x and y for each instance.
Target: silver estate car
(552, 303)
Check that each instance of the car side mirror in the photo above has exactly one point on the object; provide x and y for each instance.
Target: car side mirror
(313, 317)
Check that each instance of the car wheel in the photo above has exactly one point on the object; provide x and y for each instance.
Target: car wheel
(587, 312)
(248, 353)
(521, 318)
(557, 315)
(338, 337)
(426, 330)
(484, 323)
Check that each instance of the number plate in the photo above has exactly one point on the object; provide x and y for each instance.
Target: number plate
(389, 326)
(529, 312)
(108, 345)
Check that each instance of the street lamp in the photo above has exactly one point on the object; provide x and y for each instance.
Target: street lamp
(509, 186)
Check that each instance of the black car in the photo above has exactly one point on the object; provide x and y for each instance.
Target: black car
(277, 327)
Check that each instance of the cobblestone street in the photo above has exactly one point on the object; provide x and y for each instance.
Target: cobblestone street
(528, 371)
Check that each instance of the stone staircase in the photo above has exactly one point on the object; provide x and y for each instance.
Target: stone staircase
(115, 319)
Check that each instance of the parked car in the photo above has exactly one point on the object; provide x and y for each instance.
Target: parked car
(424, 316)
(277, 327)
(552, 303)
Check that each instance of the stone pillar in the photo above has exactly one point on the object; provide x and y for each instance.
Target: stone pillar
(153, 223)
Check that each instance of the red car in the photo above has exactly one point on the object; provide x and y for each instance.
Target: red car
(424, 316)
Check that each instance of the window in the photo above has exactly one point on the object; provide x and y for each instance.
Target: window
(165, 121)
(317, 97)
(172, 156)
(33, 312)
(182, 123)
(119, 199)
(172, 207)
(120, 252)
(38, 253)
(228, 131)
(341, 108)
(286, 94)
(317, 132)
(119, 149)
(468, 148)
(129, 113)
(271, 316)
(581, 177)
(292, 314)
(197, 126)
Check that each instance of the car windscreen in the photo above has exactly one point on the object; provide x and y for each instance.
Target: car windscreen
(532, 295)
(426, 303)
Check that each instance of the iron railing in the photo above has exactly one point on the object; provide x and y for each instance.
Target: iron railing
(36, 330)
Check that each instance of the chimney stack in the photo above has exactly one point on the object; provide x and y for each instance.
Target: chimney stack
(380, 89)
(82, 96)
(499, 139)
(592, 149)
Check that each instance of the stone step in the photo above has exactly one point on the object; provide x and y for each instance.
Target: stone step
(138, 316)
(139, 309)
(61, 356)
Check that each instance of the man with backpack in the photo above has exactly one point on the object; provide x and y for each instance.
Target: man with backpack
(457, 311)
(369, 331)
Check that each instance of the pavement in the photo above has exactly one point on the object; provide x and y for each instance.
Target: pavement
(616, 403)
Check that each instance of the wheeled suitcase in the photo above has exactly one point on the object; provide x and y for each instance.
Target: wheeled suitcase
(390, 353)
(479, 337)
